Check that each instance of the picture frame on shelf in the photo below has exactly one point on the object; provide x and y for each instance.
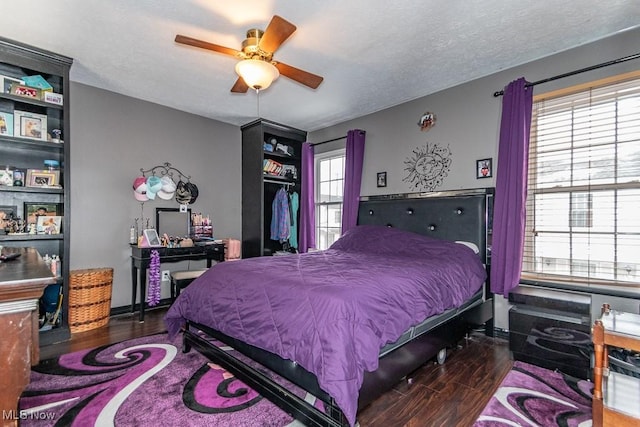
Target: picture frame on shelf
(484, 168)
(6, 123)
(26, 91)
(42, 178)
(29, 125)
(49, 225)
(53, 98)
(33, 210)
(152, 239)
(381, 179)
(7, 82)
(19, 177)
(7, 213)
(6, 177)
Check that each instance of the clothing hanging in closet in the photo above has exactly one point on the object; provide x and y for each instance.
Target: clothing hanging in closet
(293, 207)
(280, 218)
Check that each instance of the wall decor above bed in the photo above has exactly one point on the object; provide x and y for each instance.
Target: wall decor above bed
(427, 121)
(428, 166)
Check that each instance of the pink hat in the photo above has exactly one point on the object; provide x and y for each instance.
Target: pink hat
(140, 185)
(140, 189)
(140, 197)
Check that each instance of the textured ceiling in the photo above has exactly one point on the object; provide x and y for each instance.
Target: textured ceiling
(372, 54)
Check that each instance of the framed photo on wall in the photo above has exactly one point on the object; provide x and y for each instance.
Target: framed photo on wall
(381, 180)
(484, 168)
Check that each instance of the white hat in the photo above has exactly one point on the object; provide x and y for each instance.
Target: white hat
(168, 188)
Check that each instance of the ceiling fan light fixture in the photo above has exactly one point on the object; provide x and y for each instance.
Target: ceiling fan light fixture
(257, 74)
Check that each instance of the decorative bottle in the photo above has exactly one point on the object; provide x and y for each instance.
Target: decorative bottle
(132, 235)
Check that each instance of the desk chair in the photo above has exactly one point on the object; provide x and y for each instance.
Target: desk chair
(181, 279)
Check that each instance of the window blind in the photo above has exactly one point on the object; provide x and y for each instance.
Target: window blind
(329, 192)
(583, 201)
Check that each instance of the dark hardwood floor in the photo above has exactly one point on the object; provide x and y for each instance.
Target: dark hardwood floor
(451, 394)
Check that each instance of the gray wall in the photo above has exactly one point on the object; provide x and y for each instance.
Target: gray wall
(112, 138)
(468, 119)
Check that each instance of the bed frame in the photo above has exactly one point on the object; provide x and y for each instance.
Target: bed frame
(454, 215)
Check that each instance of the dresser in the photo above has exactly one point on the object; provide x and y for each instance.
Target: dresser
(22, 282)
(616, 396)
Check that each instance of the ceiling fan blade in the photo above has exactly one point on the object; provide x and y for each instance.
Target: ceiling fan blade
(301, 76)
(276, 33)
(240, 86)
(209, 46)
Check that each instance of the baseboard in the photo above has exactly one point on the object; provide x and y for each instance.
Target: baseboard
(501, 333)
(116, 311)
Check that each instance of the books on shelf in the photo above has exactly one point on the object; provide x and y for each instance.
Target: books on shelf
(273, 168)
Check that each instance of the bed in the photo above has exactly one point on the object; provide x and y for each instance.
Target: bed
(347, 323)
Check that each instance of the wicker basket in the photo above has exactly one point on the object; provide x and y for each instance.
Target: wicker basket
(89, 298)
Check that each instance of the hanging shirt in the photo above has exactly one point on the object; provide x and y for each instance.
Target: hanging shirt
(280, 221)
(293, 207)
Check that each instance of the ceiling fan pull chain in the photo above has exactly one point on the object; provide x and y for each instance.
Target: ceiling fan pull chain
(258, 102)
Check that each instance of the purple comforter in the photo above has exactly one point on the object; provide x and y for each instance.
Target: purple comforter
(332, 311)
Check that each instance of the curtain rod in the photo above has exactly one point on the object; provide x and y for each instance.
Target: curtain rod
(330, 140)
(573, 73)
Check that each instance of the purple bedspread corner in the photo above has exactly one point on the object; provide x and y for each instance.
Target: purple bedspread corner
(174, 323)
(331, 311)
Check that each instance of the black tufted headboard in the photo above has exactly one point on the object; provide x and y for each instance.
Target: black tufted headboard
(451, 215)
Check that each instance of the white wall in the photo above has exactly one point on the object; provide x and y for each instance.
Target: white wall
(468, 119)
(112, 138)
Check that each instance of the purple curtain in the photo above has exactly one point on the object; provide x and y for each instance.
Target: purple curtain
(307, 205)
(511, 187)
(352, 178)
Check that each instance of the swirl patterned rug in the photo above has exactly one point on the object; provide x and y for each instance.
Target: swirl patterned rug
(534, 396)
(142, 382)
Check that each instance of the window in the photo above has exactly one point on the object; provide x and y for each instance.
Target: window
(329, 186)
(583, 202)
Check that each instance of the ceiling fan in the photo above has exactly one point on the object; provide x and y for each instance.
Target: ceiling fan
(257, 68)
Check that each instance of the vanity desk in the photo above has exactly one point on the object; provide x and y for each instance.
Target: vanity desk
(141, 260)
(22, 281)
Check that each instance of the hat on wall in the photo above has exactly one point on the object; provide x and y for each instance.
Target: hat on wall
(140, 189)
(140, 184)
(141, 197)
(183, 195)
(153, 186)
(193, 190)
(168, 188)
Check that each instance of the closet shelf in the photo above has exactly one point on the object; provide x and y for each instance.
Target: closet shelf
(277, 179)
